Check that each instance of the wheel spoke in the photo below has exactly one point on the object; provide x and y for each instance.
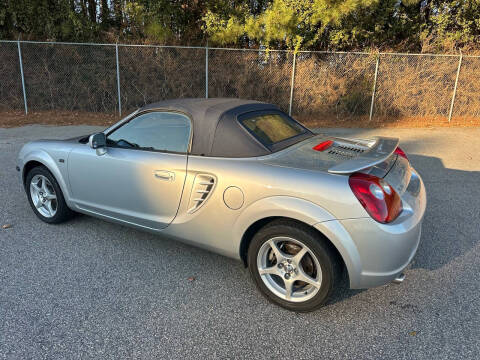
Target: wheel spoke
(288, 288)
(302, 276)
(51, 197)
(272, 270)
(276, 250)
(34, 187)
(37, 202)
(44, 186)
(298, 256)
(48, 206)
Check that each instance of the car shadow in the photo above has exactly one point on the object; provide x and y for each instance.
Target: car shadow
(450, 227)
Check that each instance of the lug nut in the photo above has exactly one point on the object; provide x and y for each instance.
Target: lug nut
(287, 276)
(280, 265)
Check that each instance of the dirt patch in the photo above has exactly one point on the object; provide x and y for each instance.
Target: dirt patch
(10, 119)
(18, 118)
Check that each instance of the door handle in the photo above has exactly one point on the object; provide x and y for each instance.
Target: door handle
(164, 175)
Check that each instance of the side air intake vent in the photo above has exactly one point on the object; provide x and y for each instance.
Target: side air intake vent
(202, 188)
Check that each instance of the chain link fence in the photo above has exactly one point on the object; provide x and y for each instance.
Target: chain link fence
(467, 100)
(334, 86)
(11, 96)
(414, 86)
(150, 74)
(251, 74)
(313, 86)
(69, 77)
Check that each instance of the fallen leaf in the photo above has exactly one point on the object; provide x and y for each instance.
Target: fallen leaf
(191, 278)
(412, 333)
(6, 226)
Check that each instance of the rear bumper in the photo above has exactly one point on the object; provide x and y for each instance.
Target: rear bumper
(375, 253)
(383, 254)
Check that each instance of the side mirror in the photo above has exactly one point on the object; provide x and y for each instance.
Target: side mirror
(98, 142)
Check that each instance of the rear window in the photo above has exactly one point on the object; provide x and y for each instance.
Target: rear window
(271, 129)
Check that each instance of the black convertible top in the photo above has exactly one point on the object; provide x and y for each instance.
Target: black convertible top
(216, 131)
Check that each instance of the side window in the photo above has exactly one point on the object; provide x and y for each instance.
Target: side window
(162, 131)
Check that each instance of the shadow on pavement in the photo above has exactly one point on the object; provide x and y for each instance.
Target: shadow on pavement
(450, 227)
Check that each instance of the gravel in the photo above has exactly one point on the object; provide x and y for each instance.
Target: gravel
(91, 289)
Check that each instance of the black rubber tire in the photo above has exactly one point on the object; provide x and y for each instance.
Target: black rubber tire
(328, 259)
(63, 211)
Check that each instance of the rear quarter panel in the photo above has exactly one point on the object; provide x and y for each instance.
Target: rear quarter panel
(309, 196)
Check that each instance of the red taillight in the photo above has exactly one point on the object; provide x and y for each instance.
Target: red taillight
(323, 145)
(400, 152)
(377, 197)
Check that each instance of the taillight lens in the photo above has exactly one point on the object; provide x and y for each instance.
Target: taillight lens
(378, 198)
(400, 152)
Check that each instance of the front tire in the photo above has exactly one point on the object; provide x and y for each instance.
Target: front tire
(46, 197)
(293, 266)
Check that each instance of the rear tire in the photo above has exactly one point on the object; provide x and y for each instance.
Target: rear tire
(46, 197)
(308, 269)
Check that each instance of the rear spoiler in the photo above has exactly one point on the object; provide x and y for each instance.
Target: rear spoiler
(380, 150)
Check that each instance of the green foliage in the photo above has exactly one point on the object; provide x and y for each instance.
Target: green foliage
(283, 23)
(402, 25)
(45, 19)
(454, 24)
(135, 17)
(223, 31)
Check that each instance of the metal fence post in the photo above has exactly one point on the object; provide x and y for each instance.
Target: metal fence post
(118, 81)
(455, 87)
(23, 78)
(374, 88)
(292, 83)
(206, 71)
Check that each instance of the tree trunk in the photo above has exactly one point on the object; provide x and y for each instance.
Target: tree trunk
(92, 10)
(105, 14)
(118, 9)
(84, 8)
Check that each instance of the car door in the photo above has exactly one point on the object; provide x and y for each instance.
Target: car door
(141, 176)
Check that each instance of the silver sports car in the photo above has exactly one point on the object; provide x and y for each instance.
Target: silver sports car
(245, 180)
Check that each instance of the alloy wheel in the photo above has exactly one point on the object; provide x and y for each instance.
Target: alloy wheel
(43, 196)
(289, 269)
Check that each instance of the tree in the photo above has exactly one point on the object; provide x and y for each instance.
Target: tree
(92, 10)
(118, 12)
(452, 25)
(404, 25)
(401, 25)
(105, 14)
(283, 23)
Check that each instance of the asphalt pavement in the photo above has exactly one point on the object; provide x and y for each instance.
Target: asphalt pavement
(92, 289)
